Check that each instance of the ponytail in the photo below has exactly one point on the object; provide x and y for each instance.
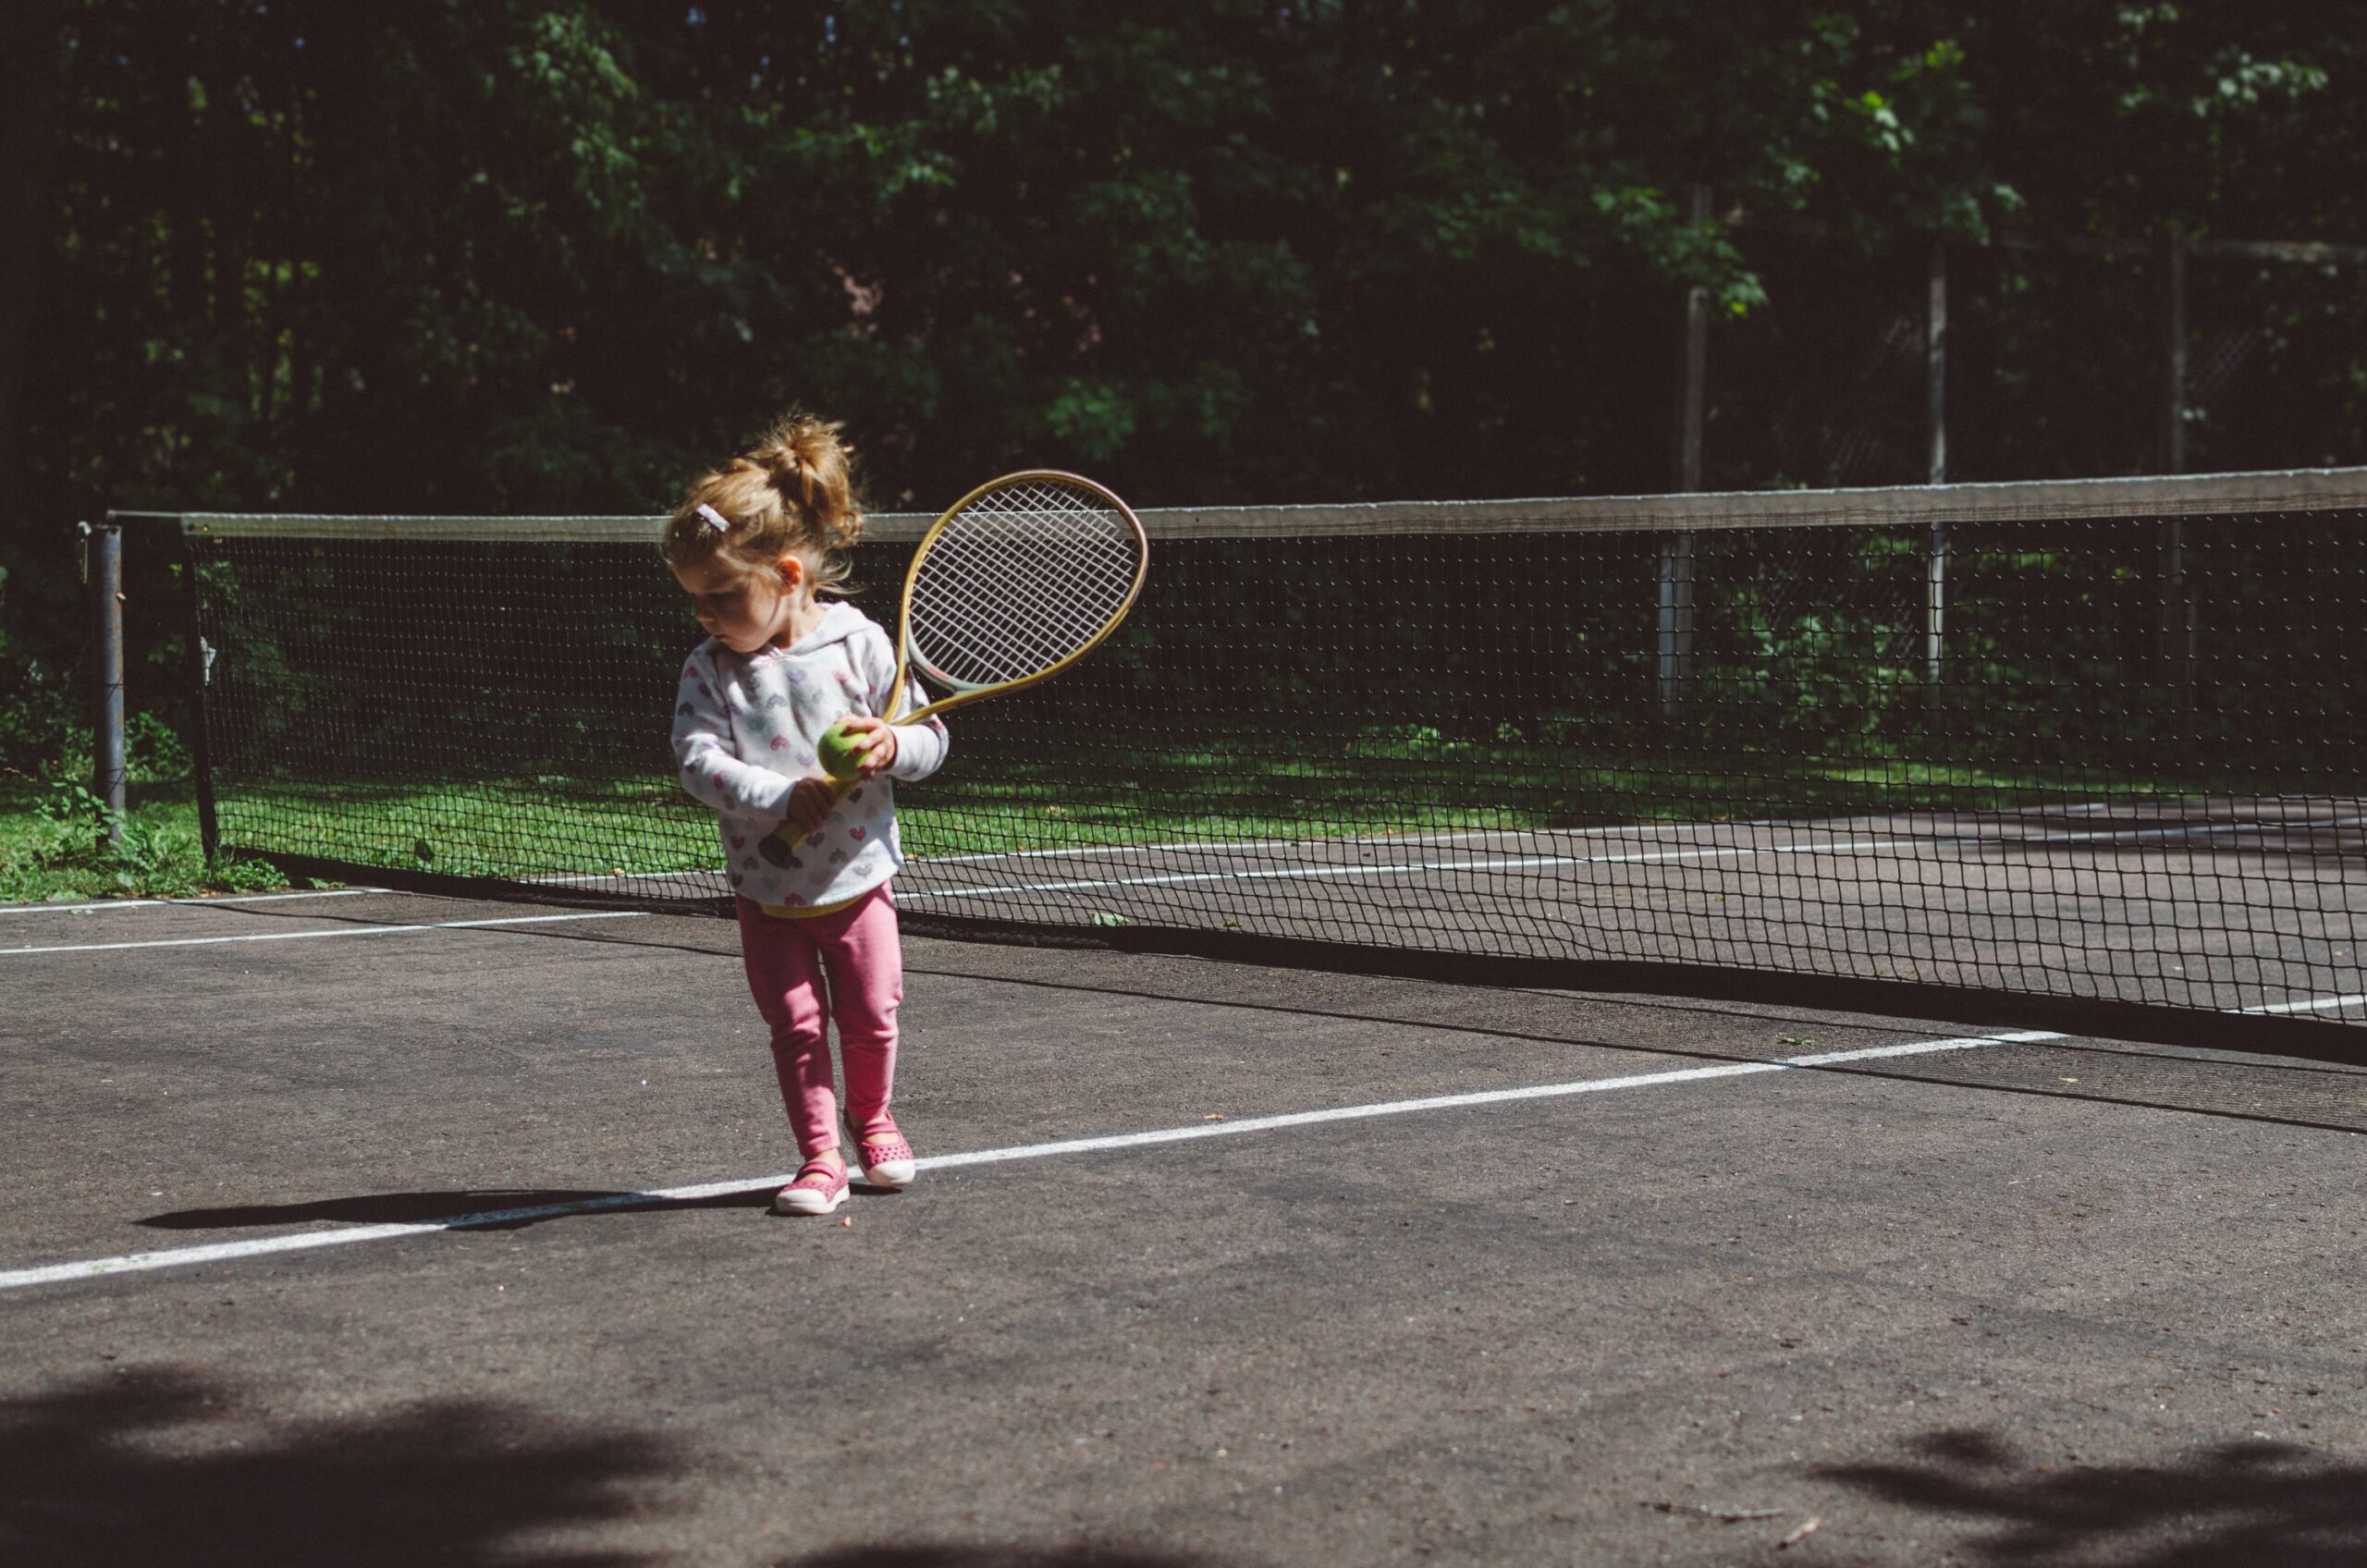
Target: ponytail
(790, 495)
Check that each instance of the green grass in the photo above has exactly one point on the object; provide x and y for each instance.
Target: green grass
(554, 825)
(52, 848)
(510, 827)
(1224, 790)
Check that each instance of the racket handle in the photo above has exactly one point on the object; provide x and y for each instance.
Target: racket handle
(791, 830)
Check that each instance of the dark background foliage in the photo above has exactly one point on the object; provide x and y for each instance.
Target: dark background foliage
(483, 256)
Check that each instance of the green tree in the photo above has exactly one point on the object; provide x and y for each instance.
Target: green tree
(503, 255)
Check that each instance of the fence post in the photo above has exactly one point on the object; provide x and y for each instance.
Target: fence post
(1936, 392)
(1694, 408)
(199, 667)
(105, 545)
(1677, 550)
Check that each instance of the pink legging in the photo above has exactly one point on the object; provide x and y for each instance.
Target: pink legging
(849, 963)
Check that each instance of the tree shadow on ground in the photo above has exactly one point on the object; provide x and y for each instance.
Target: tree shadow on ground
(2235, 1505)
(157, 1466)
(505, 1204)
(1085, 1555)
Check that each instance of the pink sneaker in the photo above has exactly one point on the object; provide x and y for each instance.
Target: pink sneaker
(819, 1188)
(887, 1158)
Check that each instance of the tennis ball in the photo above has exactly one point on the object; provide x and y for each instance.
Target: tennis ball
(840, 758)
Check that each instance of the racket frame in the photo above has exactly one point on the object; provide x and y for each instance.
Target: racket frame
(959, 694)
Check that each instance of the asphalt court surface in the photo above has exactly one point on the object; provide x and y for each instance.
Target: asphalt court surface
(1640, 1296)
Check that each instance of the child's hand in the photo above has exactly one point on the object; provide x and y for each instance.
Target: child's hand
(875, 741)
(810, 802)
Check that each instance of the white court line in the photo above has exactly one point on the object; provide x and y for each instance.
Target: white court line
(1404, 868)
(2192, 830)
(1235, 845)
(1829, 825)
(1648, 830)
(1219, 846)
(1236, 874)
(1532, 862)
(2321, 1004)
(1070, 851)
(304, 1241)
(109, 906)
(315, 935)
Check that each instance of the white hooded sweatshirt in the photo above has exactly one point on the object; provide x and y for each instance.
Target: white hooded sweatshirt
(744, 729)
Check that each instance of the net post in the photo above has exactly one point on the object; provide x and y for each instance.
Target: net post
(1935, 379)
(103, 547)
(197, 666)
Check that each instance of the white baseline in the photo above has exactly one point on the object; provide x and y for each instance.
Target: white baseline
(305, 1240)
(315, 935)
(117, 906)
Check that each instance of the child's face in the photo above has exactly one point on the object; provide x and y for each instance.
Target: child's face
(745, 610)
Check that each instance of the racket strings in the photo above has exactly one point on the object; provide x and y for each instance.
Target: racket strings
(1019, 580)
(999, 614)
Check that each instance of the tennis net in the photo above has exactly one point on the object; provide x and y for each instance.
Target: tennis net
(2094, 742)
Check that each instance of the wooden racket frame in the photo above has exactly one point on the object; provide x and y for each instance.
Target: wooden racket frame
(912, 575)
(896, 714)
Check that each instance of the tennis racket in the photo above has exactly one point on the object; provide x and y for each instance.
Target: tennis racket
(1018, 581)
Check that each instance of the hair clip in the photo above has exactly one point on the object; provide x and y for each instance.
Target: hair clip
(715, 519)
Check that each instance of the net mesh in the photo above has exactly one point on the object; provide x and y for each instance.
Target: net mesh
(2042, 739)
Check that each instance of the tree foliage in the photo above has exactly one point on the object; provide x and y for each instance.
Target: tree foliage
(505, 255)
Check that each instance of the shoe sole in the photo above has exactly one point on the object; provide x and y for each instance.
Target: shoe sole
(808, 1202)
(892, 1174)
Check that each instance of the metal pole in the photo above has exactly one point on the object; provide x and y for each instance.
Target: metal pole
(1677, 550)
(2178, 629)
(198, 665)
(107, 719)
(1935, 380)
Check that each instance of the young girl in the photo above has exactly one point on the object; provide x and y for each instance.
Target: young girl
(754, 543)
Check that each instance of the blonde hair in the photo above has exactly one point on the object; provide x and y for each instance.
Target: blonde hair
(790, 495)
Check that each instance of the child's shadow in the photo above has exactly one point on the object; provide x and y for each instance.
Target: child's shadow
(1081, 1555)
(483, 1208)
